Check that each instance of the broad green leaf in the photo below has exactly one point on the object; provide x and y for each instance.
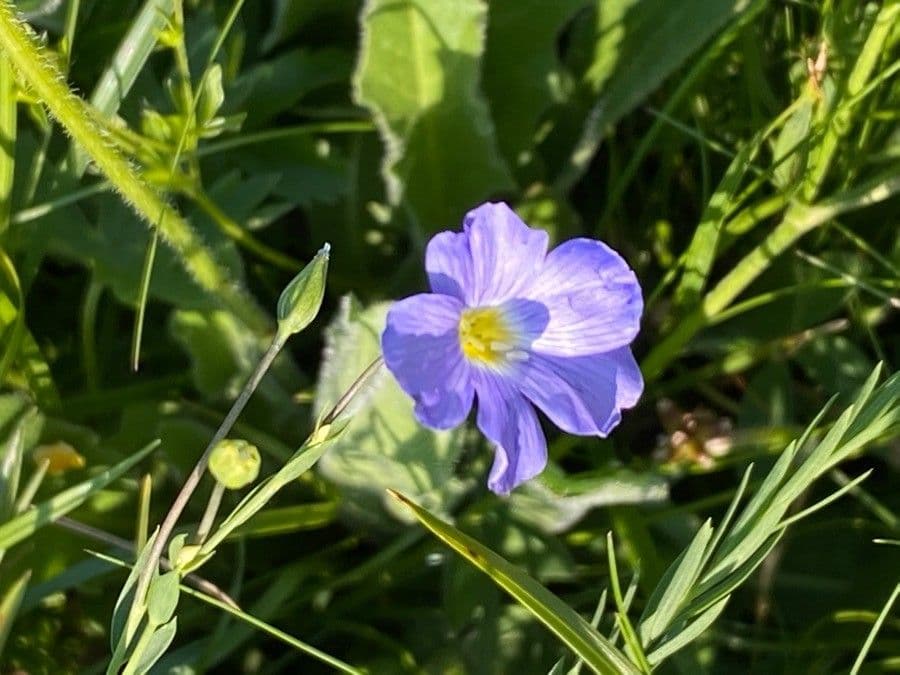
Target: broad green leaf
(289, 17)
(223, 352)
(23, 526)
(567, 624)
(521, 68)
(162, 598)
(418, 73)
(384, 445)
(641, 42)
(555, 502)
(276, 85)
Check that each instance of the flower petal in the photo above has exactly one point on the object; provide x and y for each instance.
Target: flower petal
(508, 420)
(506, 254)
(593, 297)
(584, 394)
(448, 263)
(420, 344)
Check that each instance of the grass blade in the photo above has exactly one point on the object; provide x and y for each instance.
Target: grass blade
(9, 606)
(126, 63)
(565, 622)
(870, 638)
(23, 526)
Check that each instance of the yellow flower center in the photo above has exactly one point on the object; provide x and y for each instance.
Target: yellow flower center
(484, 335)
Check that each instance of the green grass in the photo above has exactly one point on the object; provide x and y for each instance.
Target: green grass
(166, 170)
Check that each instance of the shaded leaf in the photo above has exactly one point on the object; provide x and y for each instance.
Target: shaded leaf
(418, 73)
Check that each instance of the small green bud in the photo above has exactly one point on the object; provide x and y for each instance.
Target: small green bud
(234, 463)
(301, 299)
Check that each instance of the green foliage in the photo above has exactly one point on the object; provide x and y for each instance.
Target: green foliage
(167, 168)
(418, 73)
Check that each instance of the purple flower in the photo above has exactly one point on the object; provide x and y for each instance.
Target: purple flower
(517, 327)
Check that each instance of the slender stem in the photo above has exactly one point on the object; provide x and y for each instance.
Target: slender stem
(143, 641)
(197, 582)
(241, 236)
(352, 391)
(193, 479)
(143, 517)
(209, 515)
(89, 307)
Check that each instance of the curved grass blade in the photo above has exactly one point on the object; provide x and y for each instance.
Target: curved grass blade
(595, 650)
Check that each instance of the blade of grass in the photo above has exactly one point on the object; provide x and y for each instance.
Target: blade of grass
(130, 57)
(565, 623)
(9, 606)
(23, 526)
(798, 221)
(870, 638)
(12, 316)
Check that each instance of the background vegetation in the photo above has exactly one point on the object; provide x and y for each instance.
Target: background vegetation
(743, 155)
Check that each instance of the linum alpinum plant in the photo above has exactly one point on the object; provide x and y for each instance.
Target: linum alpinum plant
(531, 344)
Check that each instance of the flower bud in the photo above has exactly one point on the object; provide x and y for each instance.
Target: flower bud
(300, 300)
(234, 463)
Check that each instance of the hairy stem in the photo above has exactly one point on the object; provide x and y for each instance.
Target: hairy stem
(36, 68)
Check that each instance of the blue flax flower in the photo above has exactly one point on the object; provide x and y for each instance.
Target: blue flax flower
(517, 327)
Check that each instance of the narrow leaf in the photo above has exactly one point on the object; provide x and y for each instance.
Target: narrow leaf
(9, 606)
(673, 588)
(157, 645)
(565, 623)
(23, 526)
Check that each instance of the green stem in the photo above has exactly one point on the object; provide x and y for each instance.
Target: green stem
(42, 75)
(209, 515)
(7, 138)
(193, 479)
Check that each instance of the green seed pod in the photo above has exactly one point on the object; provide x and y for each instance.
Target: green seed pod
(234, 463)
(301, 299)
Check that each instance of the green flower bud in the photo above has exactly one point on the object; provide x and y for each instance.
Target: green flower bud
(300, 300)
(234, 463)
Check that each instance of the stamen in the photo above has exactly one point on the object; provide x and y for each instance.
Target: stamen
(486, 337)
